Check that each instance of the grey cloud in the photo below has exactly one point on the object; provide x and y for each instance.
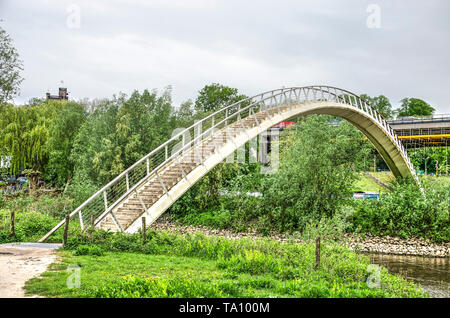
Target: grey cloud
(252, 45)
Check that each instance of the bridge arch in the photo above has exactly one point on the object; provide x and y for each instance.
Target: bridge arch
(151, 185)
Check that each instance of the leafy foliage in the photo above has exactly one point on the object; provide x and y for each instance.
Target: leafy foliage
(11, 66)
(215, 96)
(406, 213)
(381, 103)
(174, 265)
(315, 175)
(118, 132)
(414, 107)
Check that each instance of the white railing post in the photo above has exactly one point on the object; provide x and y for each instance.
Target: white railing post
(105, 199)
(81, 220)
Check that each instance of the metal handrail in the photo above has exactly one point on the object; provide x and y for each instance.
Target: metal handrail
(223, 116)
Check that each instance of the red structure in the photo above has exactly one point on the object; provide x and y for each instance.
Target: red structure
(284, 124)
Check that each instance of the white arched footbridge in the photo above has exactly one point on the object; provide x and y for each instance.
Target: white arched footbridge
(151, 185)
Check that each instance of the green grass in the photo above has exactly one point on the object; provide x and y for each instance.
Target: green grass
(30, 226)
(365, 183)
(173, 265)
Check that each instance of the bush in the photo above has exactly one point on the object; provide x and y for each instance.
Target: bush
(88, 250)
(56, 207)
(406, 213)
(250, 261)
(2, 199)
(29, 226)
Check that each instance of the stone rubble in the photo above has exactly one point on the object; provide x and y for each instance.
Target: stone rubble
(368, 243)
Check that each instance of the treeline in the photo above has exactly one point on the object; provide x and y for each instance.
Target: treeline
(69, 142)
(89, 143)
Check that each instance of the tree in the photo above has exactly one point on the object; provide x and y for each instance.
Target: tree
(215, 96)
(23, 136)
(380, 103)
(62, 131)
(414, 107)
(10, 67)
(185, 114)
(314, 176)
(120, 131)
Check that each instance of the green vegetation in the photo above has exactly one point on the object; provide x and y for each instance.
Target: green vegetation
(414, 107)
(215, 96)
(381, 104)
(406, 213)
(365, 183)
(29, 226)
(173, 265)
(77, 147)
(34, 217)
(10, 78)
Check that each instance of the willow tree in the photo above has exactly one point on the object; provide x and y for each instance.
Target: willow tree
(23, 134)
(40, 137)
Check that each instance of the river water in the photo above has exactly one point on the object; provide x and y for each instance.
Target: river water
(433, 274)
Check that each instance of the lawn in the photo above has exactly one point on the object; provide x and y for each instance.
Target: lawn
(174, 265)
(365, 183)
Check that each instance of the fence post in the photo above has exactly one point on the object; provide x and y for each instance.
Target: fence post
(66, 229)
(13, 230)
(318, 252)
(144, 236)
(92, 220)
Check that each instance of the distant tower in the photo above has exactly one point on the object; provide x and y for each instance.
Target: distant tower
(63, 94)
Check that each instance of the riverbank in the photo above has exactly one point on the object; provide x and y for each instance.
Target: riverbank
(115, 265)
(366, 243)
(397, 246)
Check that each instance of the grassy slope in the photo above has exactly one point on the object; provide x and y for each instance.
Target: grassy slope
(365, 183)
(172, 265)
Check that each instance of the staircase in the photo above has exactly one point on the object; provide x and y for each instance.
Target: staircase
(139, 201)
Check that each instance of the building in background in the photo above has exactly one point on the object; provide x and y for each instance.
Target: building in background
(63, 94)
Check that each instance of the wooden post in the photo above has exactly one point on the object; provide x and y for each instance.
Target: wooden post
(13, 230)
(92, 220)
(66, 229)
(143, 230)
(318, 252)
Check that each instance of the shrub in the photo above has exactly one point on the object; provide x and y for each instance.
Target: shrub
(88, 250)
(250, 261)
(406, 213)
(29, 226)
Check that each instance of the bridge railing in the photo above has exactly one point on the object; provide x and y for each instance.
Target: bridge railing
(102, 203)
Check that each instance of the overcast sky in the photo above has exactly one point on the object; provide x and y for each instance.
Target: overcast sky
(101, 48)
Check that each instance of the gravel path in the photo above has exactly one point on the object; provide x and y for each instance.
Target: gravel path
(20, 262)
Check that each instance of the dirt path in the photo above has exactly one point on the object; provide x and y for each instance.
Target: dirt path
(20, 262)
